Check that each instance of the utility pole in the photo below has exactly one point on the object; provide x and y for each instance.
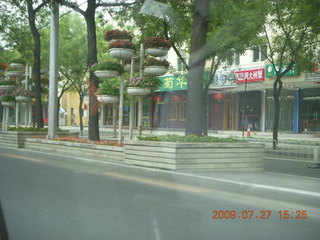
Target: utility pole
(53, 70)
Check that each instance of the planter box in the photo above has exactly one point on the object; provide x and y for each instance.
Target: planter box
(18, 138)
(195, 156)
(71, 149)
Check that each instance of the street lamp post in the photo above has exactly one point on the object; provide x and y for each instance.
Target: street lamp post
(53, 73)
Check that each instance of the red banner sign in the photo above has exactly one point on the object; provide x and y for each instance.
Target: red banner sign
(253, 75)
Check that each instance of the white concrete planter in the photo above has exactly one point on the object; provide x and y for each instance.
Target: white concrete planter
(14, 73)
(23, 99)
(85, 150)
(195, 156)
(121, 53)
(17, 65)
(157, 52)
(108, 99)
(106, 73)
(8, 104)
(135, 91)
(155, 70)
(18, 139)
(7, 87)
(116, 40)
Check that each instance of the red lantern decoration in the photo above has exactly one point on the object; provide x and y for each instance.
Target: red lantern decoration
(177, 98)
(157, 98)
(218, 96)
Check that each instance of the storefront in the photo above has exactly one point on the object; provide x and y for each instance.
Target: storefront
(310, 110)
(170, 103)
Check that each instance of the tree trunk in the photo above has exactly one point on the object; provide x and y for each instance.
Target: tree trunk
(36, 65)
(93, 80)
(80, 113)
(205, 112)
(196, 67)
(277, 87)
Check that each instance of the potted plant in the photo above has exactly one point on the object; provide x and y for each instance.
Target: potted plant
(18, 63)
(121, 49)
(107, 69)
(117, 34)
(156, 67)
(6, 98)
(7, 85)
(108, 93)
(156, 46)
(23, 95)
(141, 86)
(3, 67)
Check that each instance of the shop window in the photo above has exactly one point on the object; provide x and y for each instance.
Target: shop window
(178, 111)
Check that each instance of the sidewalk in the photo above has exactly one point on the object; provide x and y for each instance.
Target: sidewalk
(312, 136)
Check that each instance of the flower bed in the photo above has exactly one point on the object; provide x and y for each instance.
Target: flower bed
(179, 154)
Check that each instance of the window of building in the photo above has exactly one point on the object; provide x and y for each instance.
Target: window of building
(178, 111)
(236, 59)
(259, 53)
(180, 66)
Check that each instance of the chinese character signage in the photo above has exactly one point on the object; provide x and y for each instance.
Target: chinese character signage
(252, 75)
(270, 71)
(173, 83)
(223, 78)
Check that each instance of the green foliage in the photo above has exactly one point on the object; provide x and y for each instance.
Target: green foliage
(18, 60)
(188, 138)
(297, 33)
(7, 82)
(107, 65)
(8, 98)
(108, 88)
(27, 129)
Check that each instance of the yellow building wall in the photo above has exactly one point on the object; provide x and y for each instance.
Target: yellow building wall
(70, 102)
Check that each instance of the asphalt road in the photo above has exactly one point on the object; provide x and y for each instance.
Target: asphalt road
(46, 199)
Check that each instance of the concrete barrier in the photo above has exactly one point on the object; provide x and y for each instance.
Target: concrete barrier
(18, 138)
(72, 149)
(195, 156)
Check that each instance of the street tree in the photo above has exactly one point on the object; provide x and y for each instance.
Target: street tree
(89, 16)
(200, 27)
(72, 60)
(292, 36)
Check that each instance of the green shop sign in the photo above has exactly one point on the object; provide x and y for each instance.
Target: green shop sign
(270, 71)
(176, 82)
(173, 83)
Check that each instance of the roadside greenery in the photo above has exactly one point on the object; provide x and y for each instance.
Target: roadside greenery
(33, 129)
(85, 140)
(188, 138)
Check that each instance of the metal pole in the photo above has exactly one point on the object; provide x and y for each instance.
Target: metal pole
(53, 74)
(114, 120)
(140, 116)
(17, 114)
(121, 107)
(140, 98)
(131, 102)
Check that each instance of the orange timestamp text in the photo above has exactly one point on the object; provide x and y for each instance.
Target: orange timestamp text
(260, 214)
